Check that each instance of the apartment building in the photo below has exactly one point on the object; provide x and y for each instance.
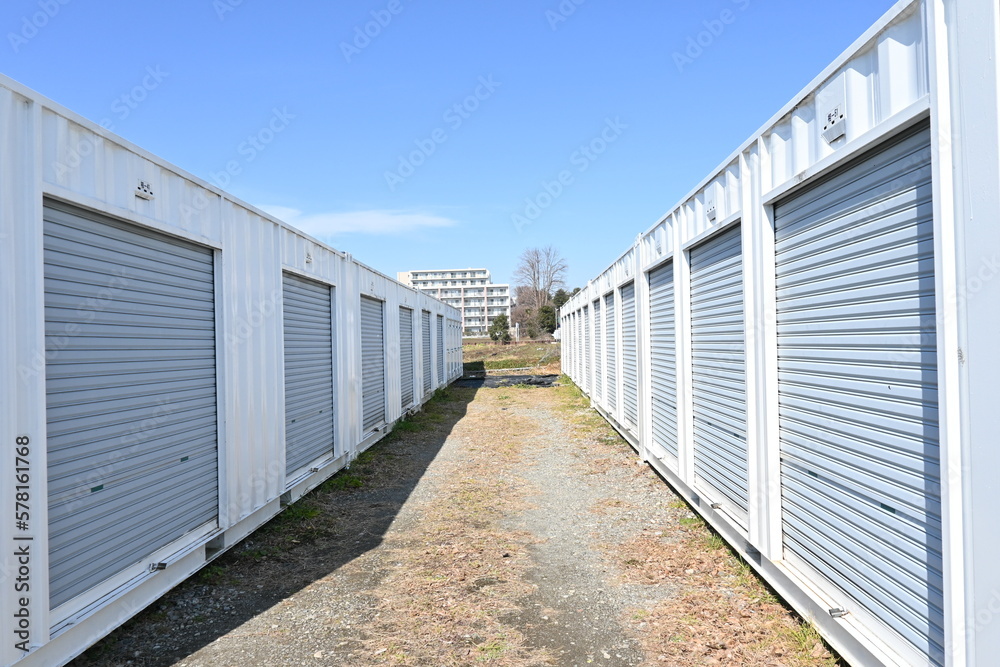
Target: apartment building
(470, 290)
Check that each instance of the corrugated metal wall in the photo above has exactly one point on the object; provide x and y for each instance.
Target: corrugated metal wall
(790, 307)
(455, 366)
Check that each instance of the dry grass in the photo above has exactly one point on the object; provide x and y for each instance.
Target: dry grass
(490, 356)
(723, 614)
(609, 506)
(460, 573)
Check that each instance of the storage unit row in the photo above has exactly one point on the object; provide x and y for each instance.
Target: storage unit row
(805, 346)
(175, 366)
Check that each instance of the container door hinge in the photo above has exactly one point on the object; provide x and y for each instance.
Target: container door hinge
(838, 612)
(156, 567)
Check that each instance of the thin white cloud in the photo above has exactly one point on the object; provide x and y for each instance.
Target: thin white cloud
(380, 223)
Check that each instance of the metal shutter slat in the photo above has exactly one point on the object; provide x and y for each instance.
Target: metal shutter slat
(372, 362)
(857, 386)
(132, 438)
(80, 249)
(309, 377)
(406, 357)
(663, 366)
(719, 369)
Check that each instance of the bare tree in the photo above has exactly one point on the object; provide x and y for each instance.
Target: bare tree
(539, 273)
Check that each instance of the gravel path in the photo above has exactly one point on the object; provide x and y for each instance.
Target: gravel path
(503, 526)
(580, 601)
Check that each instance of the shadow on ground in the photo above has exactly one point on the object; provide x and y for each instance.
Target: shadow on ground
(500, 381)
(474, 367)
(343, 519)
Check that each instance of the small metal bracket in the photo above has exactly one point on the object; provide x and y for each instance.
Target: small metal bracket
(157, 567)
(835, 127)
(711, 212)
(716, 506)
(144, 191)
(838, 612)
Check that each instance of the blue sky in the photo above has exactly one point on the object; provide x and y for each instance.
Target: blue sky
(415, 134)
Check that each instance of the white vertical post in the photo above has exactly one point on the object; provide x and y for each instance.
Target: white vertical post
(770, 535)
(644, 397)
(682, 315)
(965, 94)
(23, 427)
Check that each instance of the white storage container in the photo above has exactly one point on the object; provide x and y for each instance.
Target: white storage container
(817, 326)
(175, 366)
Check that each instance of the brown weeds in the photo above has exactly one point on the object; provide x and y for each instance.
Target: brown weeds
(460, 573)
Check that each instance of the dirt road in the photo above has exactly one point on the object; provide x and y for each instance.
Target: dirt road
(506, 526)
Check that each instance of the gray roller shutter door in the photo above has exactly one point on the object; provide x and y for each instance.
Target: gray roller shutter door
(575, 348)
(719, 369)
(610, 351)
(425, 330)
(309, 400)
(440, 348)
(569, 345)
(576, 358)
(568, 348)
(578, 346)
(131, 395)
(663, 357)
(630, 360)
(858, 388)
(586, 349)
(598, 356)
(372, 362)
(572, 319)
(406, 357)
